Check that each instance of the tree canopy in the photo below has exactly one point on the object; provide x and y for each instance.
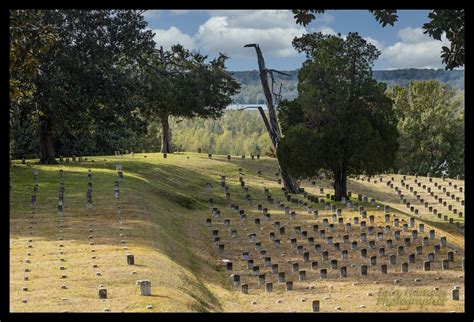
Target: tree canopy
(181, 83)
(29, 37)
(341, 122)
(82, 79)
(431, 125)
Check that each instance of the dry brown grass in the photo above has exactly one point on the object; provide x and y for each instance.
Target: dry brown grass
(173, 247)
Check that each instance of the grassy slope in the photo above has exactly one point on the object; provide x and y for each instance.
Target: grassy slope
(155, 229)
(164, 205)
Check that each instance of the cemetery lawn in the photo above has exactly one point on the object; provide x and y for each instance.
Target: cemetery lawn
(164, 209)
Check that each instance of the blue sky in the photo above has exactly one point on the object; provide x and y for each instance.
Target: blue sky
(214, 31)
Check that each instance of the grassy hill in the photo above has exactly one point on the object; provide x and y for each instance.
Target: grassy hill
(164, 208)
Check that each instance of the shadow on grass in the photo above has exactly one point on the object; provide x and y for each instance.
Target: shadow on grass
(159, 296)
(164, 200)
(377, 194)
(205, 301)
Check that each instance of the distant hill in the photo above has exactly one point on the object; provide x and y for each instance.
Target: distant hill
(251, 92)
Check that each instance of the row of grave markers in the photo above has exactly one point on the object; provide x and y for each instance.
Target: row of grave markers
(145, 285)
(423, 201)
(32, 218)
(323, 272)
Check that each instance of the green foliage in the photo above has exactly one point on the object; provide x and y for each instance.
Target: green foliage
(88, 65)
(384, 17)
(235, 133)
(96, 76)
(450, 22)
(180, 83)
(29, 37)
(82, 79)
(291, 113)
(304, 157)
(304, 17)
(23, 137)
(441, 21)
(341, 121)
(431, 126)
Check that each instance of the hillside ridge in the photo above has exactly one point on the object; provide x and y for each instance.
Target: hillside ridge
(251, 92)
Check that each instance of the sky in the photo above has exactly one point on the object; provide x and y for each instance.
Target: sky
(212, 31)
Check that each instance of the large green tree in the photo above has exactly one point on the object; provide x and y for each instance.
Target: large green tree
(181, 83)
(29, 36)
(81, 80)
(341, 122)
(431, 125)
(450, 22)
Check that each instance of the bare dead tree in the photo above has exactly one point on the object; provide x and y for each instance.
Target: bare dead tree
(271, 123)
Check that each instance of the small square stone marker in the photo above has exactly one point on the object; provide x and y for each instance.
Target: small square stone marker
(315, 305)
(102, 293)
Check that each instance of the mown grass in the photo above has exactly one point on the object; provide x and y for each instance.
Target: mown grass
(164, 205)
(157, 196)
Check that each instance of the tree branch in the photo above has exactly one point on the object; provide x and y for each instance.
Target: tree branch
(274, 127)
(264, 117)
(276, 71)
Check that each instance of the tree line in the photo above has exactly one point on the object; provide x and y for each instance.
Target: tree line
(343, 122)
(90, 82)
(84, 78)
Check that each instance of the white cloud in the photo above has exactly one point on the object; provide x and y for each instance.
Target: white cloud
(260, 19)
(415, 50)
(412, 35)
(326, 30)
(229, 30)
(268, 28)
(173, 36)
(374, 42)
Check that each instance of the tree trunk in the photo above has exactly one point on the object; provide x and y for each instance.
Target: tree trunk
(340, 184)
(46, 141)
(165, 135)
(291, 185)
(271, 123)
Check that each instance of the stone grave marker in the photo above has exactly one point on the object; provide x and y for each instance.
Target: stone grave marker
(145, 287)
